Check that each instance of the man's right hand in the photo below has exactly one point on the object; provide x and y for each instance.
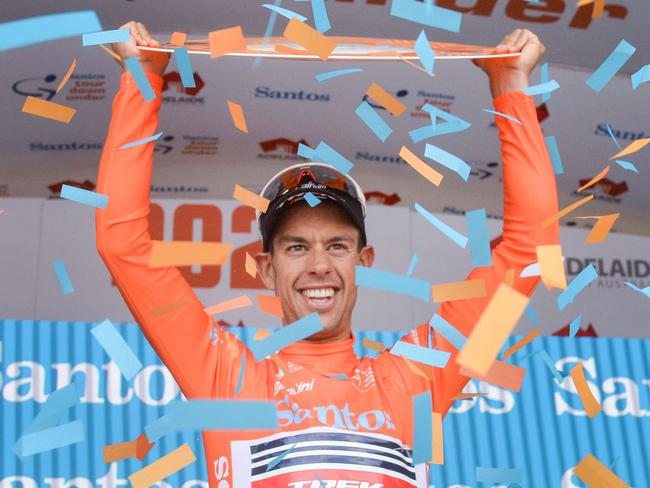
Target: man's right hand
(151, 61)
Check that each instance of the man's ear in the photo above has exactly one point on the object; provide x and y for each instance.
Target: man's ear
(367, 256)
(264, 262)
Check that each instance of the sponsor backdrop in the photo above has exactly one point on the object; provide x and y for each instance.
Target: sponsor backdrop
(201, 154)
(37, 232)
(543, 430)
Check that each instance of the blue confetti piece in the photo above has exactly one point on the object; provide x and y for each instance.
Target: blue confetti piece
(479, 241)
(626, 165)
(44, 28)
(554, 153)
(426, 14)
(547, 87)
(498, 475)
(452, 234)
(295, 331)
(451, 125)
(559, 376)
(328, 75)
(612, 64)
(85, 197)
(242, 368)
(448, 331)
(412, 264)
(52, 438)
(62, 277)
(327, 154)
(117, 349)
(543, 79)
(289, 14)
(425, 355)
(611, 134)
(532, 315)
(641, 76)
(142, 141)
(392, 282)
(133, 65)
(106, 37)
(311, 199)
(275, 461)
(645, 291)
(425, 52)
(501, 114)
(448, 160)
(374, 122)
(184, 67)
(321, 19)
(574, 326)
(306, 152)
(422, 428)
(214, 415)
(579, 283)
(267, 34)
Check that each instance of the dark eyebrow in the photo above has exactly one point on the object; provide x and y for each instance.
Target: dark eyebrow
(285, 239)
(341, 238)
(302, 240)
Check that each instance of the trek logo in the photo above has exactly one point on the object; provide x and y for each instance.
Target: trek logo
(281, 148)
(267, 92)
(334, 484)
(172, 80)
(332, 416)
(549, 12)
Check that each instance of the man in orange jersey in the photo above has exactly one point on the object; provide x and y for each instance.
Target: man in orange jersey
(344, 421)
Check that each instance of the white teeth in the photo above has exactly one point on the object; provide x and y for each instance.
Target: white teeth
(319, 292)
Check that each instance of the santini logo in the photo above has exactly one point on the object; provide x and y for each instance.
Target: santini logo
(267, 92)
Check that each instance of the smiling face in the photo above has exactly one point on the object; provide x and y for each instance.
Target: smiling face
(311, 267)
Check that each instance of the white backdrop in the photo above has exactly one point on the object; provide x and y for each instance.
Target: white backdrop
(36, 232)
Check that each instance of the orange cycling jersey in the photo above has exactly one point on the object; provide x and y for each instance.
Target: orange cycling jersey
(347, 420)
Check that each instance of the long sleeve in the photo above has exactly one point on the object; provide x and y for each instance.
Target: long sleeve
(202, 367)
(529, 197)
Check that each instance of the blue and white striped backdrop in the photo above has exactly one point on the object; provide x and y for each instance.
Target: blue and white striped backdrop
(503, 429)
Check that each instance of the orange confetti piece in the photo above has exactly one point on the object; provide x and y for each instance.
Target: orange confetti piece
(270, 304)
(48, 110)
(386, 100)
(163, 467)
(595, 474)
(138, 448)
(417, 67)
(237, 115)
(418, 368)
(595, 179)
(250, 198)
(111, 52)
(566, 211)
(261, 334)
(188, 253)
(420, 166)
(309, 38)
(169, 308)
(437, 439)
(530, 337)
(458, 290)
(466, 396)
(226, 41)
(632, 148)
(592, 407)
(67, 75)
(601, 229)
(551, 266)
(492, 329)
(232, 304)
(501, 374)
(599, 9)
(178, 38)
(374, 345)
(251, 267)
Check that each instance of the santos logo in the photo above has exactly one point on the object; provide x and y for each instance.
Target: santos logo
(318, 483)
(267, 92)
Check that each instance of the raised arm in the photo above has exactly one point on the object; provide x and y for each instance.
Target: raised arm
(201, 367)
(529, 197)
